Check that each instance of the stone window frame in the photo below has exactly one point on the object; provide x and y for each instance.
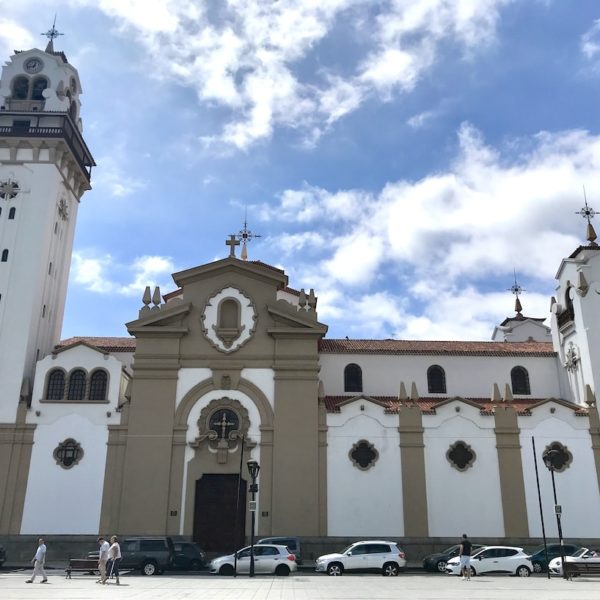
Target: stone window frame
(66, 386)
(68, 442)
(468, 448)
(371, 447)
(556, 445)
(353, 378)
(436, 378)
(519, 381)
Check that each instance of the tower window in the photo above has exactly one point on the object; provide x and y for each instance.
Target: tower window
(436, 380)
(520, 381)
(50, 269)
(39, 85)
(4, 255)
(353, 378)
(55, 389)
(43, 311)
(12, 212)
(98, 382)
(20, 88)
(77, 385)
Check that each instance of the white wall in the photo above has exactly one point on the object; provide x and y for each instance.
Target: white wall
(576, 487)
(468, 501)
(466, 376)
(363, 503)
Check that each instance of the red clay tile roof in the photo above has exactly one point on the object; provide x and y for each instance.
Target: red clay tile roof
(331, 346)
(108, 344)
(428, 404)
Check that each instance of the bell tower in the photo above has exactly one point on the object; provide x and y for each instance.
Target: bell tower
(45, 167)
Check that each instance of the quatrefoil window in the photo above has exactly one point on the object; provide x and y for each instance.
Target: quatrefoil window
(68, 453)
(223, 422)
(461, 456)
(562, 458)
(8, 189)
(363, 455)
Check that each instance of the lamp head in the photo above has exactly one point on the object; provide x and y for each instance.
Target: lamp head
(253, 468)
(548, 457)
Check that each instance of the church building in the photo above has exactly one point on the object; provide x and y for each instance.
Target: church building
(148, 434)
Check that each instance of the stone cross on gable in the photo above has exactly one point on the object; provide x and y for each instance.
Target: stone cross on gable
(232, 242)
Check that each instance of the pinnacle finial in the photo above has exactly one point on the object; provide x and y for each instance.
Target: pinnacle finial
(588, 213)
(517, 290)
(245, 236)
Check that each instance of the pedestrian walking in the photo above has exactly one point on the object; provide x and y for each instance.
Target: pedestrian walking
(102, 559)
(465, 557)
(39, 560)
(114, 554)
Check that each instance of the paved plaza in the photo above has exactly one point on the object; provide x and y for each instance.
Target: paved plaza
(302, 586)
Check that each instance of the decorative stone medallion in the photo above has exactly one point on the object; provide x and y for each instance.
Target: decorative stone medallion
(562, 458)
(363, 455)
(461, 456)
(8, 189)
(221, 426)
(68, 453)
(229, 319)
(63, 210)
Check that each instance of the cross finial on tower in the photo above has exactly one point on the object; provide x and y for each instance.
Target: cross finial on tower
(232, 243)
(588, 213)
(245, 236)
(517, 290)
(51, 34)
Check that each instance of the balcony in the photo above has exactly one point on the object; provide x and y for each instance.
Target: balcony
(29, 125)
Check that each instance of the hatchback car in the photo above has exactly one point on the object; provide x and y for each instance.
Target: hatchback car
(582, 555)
(268, 558)
(385, 557)
(2, 555)
(437, 561)
(292, 543)
(495, 559)
(538, 556)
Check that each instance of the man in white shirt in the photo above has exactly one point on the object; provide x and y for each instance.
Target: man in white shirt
(38, 563)
(102, 558)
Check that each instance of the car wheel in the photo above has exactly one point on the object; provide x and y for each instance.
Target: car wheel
(335, 569)
(282, 570)
(523, 571)
(441, 566)
(537, 567)
(195, 565)
(226, 570)
(149, 568)
(390, 569)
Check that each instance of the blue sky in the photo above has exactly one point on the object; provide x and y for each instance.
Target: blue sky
(401, 157)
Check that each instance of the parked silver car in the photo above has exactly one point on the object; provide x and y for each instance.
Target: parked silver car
(268, 558)
(582, 555)
(370, 555)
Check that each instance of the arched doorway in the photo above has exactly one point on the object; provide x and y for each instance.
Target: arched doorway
(218, 499)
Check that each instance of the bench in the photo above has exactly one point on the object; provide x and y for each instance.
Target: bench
(87, 565)
(574, 569)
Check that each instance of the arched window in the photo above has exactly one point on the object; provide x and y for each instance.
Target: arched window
(39, 85)
(55, 389)
(73, 110)
(4, 255)
(12, 212)
(229, 314)
(436, 380)
(353, 378)
(569, 303)
(76, 385)
(20, 88)
(519, 379)
(98, 382)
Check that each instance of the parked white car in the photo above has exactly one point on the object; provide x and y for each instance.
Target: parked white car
(495, 559)
(268, 558)
(371, 555)
(582, 555)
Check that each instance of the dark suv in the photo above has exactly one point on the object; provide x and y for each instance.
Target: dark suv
(151, 555)
(538, 556)
(2, 555)
(188, 556)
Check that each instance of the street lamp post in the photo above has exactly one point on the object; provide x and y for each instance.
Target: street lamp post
(253, 469)
(549, 457)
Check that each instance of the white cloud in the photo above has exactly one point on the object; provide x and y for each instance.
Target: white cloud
(250, 56)
(14, 37)
(103, 275)
(449, 237)
(590, 41)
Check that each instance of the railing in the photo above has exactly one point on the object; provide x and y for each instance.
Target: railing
(566, 316)
(66, 130)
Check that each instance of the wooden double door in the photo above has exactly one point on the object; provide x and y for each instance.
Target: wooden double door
(220, 513)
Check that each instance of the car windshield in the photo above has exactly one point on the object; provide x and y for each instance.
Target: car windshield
(450, 550)
(538, 549)
(347, 549)
(580, 552)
